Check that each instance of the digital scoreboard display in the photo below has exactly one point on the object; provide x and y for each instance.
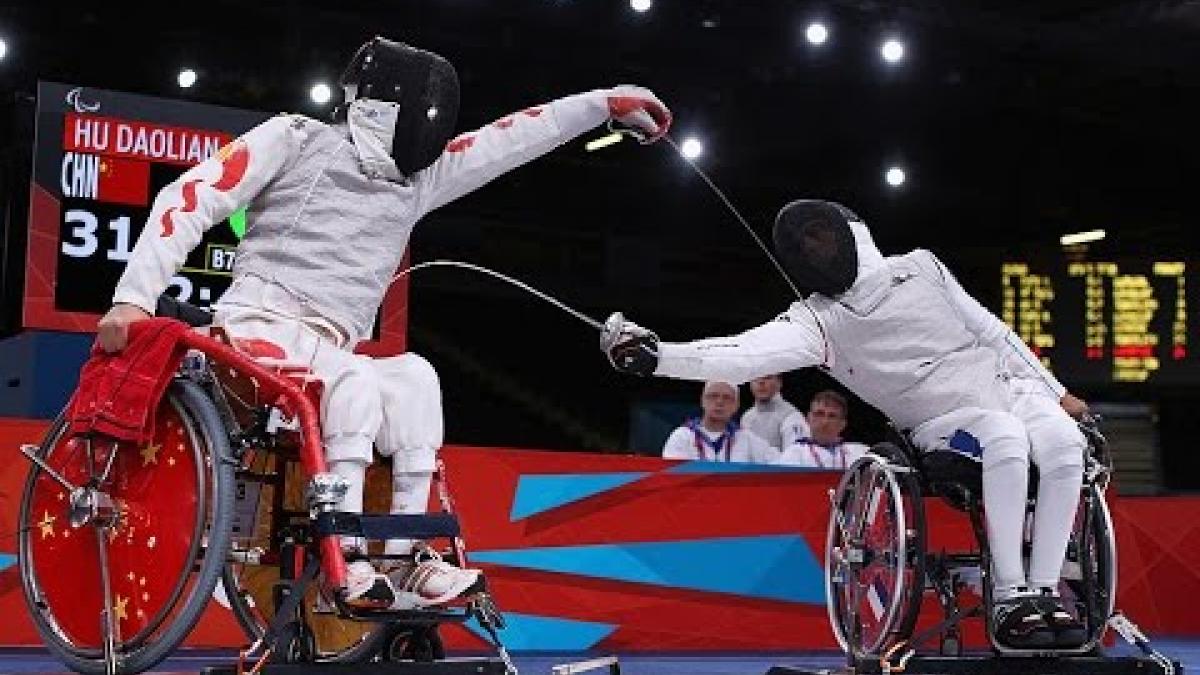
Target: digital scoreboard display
(1105, 321)
(100, 158)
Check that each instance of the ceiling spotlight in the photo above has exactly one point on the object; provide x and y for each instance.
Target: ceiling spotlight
(816, 33)
(432, 113)
(641, 5)
(187, 77)
(320, 93)
(892, 50)
(691, 148)
(3, 48)
(895, 176)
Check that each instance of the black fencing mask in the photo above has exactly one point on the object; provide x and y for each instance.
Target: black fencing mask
(425, 87)
(815, 245)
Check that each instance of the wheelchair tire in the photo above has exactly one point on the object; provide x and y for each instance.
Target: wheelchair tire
(1095, 554)
(172, 514)
(875, 571)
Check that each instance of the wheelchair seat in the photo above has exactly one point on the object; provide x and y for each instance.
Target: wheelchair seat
(954, 477)
(943, 472)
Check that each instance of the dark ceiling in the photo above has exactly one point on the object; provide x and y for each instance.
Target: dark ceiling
(1016, 121)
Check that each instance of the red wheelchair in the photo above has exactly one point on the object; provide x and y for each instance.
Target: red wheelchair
(121, 548)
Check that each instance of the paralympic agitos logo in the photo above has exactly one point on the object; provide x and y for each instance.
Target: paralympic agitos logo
(76, 101)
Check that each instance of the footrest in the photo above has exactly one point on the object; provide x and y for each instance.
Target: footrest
(474, 666)
(992, 665)
(379, 527)
(416, 617)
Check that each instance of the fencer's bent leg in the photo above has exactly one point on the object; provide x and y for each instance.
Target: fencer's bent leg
(411, 434)
(1057, 448)
(350, 401)
(1000, 442)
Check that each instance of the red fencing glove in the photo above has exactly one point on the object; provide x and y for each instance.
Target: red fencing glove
(640, 109)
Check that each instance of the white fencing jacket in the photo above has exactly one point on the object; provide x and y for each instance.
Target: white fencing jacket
(906, 338)
(329, 215)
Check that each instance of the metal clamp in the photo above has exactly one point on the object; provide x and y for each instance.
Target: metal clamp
(325, 491)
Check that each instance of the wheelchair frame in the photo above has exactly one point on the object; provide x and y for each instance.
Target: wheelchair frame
(198, 397)
(895, 473)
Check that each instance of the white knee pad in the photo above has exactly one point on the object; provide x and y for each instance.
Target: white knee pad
(351, 411)
(412, 410)
(1058, 449)
(1004, 440)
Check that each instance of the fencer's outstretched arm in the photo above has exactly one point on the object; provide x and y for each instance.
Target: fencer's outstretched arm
(204, 195)
(793, 340)
(996, 334)
(476, 157)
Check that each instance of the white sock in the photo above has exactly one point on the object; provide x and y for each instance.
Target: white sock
(1005, 485)
(410, 494)
(355, 474)
(1053, 520)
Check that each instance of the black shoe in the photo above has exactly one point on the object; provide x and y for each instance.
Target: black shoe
(1069, 632)
(1019, 623)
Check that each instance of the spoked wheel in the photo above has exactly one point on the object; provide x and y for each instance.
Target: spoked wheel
(1090, 569)
(125, 532)
(874, 557)
(253, 570)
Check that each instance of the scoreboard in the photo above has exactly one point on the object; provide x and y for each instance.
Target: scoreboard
(100, 158)
(1097, 321)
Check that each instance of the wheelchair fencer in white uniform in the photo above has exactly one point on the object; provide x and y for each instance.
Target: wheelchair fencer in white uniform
(902, 334)
(330, 209)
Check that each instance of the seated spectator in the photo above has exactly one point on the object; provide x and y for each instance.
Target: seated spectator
(715, 436)
(816, 440)
(765, 417)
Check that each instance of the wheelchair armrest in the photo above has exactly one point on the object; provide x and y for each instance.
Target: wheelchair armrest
(192, 315)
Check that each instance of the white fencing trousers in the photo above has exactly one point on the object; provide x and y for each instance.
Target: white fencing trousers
(392, 404)
(1034, 428)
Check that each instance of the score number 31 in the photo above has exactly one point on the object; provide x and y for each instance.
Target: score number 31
(82, 242)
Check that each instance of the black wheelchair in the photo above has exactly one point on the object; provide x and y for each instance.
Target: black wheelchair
(121, 547)
(878, 569)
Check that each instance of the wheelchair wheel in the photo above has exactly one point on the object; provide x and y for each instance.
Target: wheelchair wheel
(150, 520)
(417, 643)
(249, 585)
(1090, 568)
(874, 555)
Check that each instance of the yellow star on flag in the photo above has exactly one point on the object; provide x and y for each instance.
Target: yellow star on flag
(119, 608)
(47, 525)
(150, 454)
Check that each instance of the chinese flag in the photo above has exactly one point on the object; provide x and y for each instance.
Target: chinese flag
(124, 181)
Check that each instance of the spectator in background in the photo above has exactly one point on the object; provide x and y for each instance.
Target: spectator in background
(816, 440)
(715, 436)
(765, 418)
